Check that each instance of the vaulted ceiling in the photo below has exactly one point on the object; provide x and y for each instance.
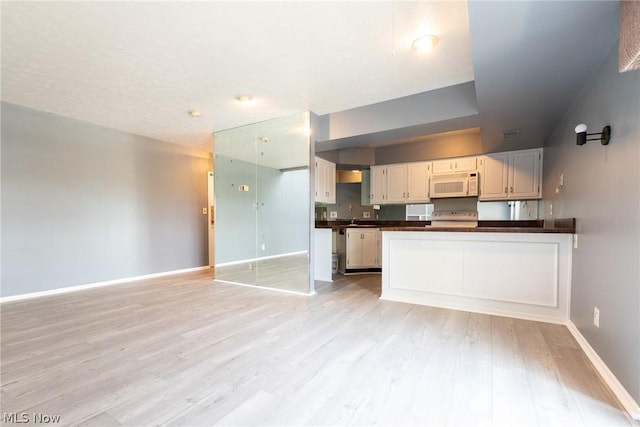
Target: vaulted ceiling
(139, 66)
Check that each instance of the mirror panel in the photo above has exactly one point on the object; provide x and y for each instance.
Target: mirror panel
(262, 234)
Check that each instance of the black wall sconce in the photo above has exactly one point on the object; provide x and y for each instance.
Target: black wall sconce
(603, 137)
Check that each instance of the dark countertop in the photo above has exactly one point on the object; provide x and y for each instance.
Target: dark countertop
(564, 225)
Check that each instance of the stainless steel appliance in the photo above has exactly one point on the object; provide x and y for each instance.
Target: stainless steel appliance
(455, 212)
(454, 218)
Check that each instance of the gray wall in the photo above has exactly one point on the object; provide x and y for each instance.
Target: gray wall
(436, 111)
(454, 144)
(601, 191)
(441, 146)
(281, 221)
(350, 194)
(83, 204)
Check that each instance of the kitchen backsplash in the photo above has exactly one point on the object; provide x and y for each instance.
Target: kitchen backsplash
(348, 206)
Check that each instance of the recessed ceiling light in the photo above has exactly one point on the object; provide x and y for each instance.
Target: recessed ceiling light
(424, 44)
(244, 98)
(193, 113)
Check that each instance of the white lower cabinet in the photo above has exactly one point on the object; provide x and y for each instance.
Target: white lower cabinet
(359, 248)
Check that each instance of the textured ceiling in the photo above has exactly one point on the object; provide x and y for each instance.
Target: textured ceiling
(280, 143)
(140, 66)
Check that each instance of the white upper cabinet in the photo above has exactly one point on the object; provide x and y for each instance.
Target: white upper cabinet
(525, 174)
(396, 183)
(514, 175)
(401, 183)
(418, 182)
(325, 181)
(494, 176)
(464, 164)
(378, 185)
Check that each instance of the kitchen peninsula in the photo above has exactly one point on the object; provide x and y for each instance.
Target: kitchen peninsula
(511, 268)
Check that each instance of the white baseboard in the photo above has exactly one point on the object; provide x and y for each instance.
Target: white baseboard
(242, 261)
(97, 284)
(627, 401)
(265, 288)
(474, 307)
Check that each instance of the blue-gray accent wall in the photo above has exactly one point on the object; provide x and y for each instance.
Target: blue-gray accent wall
(83, 204)
(601, 191)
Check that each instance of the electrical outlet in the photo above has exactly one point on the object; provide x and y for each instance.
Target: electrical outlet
(575, 241)
(263, 247)
(333, 214)
(596, 316)
(204, 211)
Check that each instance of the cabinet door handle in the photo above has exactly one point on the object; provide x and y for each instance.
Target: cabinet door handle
(505, 189)
(511, 190)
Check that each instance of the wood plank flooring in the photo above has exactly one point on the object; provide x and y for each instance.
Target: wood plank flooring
(186, 351)
(290, 273)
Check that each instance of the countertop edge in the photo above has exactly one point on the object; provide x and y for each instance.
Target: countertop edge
(558, 226)
(481, 229)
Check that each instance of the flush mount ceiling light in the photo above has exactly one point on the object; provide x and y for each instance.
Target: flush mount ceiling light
(264, 139)
(424, 44)
(193, 113)
(244, 98)
(581, 135)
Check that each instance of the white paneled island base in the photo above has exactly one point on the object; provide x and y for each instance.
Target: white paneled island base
(524, 275)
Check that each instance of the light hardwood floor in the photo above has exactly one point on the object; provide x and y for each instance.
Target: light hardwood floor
(186, 351)
(289, 273)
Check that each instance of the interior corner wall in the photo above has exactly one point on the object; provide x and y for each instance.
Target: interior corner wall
(83, 204)
(429, 107)
(601, 191)
(443, 147)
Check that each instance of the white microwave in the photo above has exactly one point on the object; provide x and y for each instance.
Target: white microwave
(464, 184)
